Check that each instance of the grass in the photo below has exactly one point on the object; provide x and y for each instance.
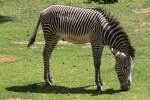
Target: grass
(72, 66)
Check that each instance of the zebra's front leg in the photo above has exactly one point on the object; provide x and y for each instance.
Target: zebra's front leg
(97, 52)
(50, 44)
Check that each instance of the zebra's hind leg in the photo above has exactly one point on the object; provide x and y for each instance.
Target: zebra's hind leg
(97, 52)
(50, 43)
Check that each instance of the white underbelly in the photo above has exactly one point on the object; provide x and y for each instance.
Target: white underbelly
(75, 39)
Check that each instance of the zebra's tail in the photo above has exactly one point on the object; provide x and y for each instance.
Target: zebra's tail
(32, 38)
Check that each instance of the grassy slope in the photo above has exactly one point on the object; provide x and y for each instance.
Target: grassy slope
(70, 82)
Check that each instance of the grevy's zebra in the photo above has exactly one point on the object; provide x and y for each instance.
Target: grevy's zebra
(78, 25)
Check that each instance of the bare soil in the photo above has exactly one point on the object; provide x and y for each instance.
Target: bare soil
(26, 42)
(7, 58)
(61, 42)
(87, 45)
(15, 98)
(42, 42)
(142, 26)
(144, 10)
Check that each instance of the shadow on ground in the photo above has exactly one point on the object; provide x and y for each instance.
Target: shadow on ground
(99, 1)
(5, 19)
(41, 88)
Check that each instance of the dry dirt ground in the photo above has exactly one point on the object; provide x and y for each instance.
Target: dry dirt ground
(15, 98)
(42, 42)
(144, 10)
(61, 42)
(142, 25)
(7, 58)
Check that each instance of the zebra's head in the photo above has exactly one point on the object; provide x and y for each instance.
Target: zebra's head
(124, 66)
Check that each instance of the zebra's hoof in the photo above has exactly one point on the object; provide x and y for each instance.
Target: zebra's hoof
(123, 88)
(49, 82)
(99, 89)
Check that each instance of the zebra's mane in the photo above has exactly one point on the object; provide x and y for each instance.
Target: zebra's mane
(113, 22)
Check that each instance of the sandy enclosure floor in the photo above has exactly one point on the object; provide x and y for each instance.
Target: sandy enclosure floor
(61, 42)
(7, 58)
(41, 42)
(144, 10)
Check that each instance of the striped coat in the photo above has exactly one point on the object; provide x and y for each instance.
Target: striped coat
(80, 25)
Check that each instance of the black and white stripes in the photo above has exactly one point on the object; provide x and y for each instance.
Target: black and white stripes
(81, 25)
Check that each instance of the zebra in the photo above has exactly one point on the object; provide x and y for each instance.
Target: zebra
(82, 25)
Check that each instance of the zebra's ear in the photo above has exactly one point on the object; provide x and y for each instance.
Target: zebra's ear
(118, 53)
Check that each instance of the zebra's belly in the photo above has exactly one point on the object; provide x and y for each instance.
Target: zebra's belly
(75, 39)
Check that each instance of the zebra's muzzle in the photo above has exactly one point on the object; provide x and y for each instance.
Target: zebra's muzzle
(126, 87)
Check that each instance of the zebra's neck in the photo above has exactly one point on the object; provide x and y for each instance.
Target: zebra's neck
(115, 37)
(113, 34)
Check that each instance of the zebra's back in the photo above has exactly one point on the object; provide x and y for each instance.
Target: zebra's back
(70, 23)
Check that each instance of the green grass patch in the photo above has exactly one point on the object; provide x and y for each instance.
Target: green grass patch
(72, 65)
